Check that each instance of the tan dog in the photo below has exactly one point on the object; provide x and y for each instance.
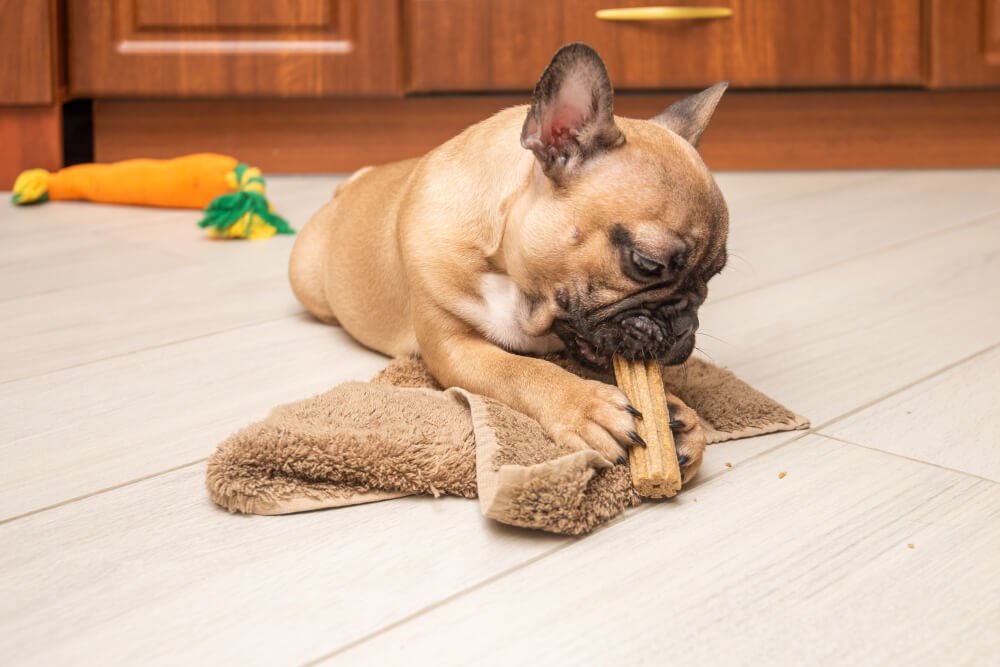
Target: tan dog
(599, 238)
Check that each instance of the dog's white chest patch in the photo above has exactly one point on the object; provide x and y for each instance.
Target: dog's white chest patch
(500, 316)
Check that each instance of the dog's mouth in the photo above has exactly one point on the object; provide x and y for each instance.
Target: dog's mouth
(639, 333)
(586, 352)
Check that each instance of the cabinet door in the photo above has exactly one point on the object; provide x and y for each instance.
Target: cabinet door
(27, 52)
(465, 45)
(273, 48)
(964, 43)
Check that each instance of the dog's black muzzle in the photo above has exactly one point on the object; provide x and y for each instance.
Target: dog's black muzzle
(665, 332)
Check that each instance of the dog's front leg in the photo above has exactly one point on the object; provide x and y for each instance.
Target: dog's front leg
(575, 412)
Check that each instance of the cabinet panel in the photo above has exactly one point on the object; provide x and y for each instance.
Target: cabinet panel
(31, 137)
(964, 43)
(467, 45)
(27, 52)
(751, 130)
(233, 14)
(283, 48)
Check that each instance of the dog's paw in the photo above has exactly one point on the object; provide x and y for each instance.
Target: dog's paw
(689, 438)
(597, 416)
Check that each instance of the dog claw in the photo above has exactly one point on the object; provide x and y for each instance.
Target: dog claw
(683, 459)
(632, 411)
(676, 425)
(637, 439)
(621, 460)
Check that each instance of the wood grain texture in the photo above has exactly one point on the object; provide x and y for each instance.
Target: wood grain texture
(653, 467)
(771, 241)
(814, 130)
(811, 569)
(31, 137)
(950, 420)
(227, 49)
(148, 310)
(116, 578)
(218, 287)
(991, 31)
(860, 329)
(504, 44)
(96, 426)
(222, 14)
(963, 43)
(27, 52)
(35, 264)
(911, 129)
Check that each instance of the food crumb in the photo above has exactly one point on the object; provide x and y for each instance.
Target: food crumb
(911, 545)
(728, 464)
(781, 475)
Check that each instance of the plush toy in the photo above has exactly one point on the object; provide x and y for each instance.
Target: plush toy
(231, 193)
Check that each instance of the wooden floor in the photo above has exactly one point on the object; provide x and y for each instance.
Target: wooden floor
(866, 301)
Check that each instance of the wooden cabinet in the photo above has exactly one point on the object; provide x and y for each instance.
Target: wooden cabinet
(221, 48)
(30, 123)
(964, 43)
(488, 45)
(27, 52)
(331, 85)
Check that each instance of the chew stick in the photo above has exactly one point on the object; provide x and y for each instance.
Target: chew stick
(654, 468)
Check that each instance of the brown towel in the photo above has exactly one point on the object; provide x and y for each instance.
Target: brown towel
(400, 435)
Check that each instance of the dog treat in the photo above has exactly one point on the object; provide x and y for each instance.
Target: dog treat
(654, 468)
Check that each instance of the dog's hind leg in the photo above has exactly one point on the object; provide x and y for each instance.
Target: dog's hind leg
(307, 266)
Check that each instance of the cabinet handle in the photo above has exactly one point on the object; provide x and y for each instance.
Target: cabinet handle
(663, 13)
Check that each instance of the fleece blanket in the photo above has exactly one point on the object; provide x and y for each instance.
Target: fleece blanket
(401, 434)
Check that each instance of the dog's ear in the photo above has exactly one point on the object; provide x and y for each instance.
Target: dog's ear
(572, 112)
(689, 117)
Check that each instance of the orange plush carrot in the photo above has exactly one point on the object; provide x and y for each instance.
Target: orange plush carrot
(231, 192)
(191, 181)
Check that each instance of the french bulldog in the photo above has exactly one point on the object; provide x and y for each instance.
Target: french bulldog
(545, 227)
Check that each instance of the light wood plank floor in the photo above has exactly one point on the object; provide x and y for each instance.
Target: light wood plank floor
(867, 301)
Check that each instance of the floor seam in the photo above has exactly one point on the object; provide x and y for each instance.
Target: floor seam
(906, 386)
(158, 346)
(99, 283)
(434, 605)
(905, 457)
(972, 222)
(70, 501)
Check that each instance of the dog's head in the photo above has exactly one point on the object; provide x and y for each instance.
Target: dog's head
(623, 225)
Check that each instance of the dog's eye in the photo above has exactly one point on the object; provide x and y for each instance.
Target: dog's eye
(646, 266)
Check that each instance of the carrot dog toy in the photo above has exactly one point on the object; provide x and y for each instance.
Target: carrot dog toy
(230, 192)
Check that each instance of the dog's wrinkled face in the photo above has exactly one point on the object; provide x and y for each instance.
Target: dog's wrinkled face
(625, 224)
